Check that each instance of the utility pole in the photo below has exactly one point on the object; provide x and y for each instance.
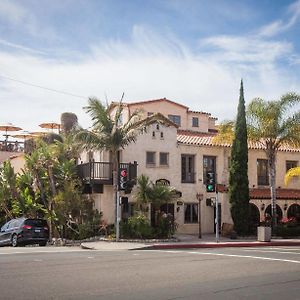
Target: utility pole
(217, 217)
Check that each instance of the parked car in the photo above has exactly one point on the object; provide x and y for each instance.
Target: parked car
(24, 231)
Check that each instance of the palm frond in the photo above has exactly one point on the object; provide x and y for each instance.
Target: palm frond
(293, 172)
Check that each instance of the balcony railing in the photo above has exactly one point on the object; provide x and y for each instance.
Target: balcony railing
(101, 172)
(11, 146)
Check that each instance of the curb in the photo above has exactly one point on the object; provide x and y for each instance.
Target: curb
(222, 245)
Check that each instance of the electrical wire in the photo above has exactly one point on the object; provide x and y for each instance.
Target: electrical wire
(43, 87)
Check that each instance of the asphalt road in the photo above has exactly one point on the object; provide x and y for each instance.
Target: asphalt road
(73, 273)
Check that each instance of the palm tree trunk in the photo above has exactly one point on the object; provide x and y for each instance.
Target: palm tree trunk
(115, 193)
(272, 175)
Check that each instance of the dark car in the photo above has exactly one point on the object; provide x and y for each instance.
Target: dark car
(24, 231)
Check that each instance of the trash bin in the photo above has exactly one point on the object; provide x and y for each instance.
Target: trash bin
(264, 233)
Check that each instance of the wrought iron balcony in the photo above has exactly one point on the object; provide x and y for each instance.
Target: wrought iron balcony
(101, 172)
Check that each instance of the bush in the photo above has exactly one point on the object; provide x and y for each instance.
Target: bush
(166, 226)
(136, 227)
(286, 231)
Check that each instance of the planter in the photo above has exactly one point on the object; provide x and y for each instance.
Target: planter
(264, 234)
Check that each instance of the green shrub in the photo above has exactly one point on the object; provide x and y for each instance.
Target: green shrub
(166, 226)
(136, 227)
(286, 231)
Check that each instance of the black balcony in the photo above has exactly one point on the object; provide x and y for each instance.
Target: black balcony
(101, 172)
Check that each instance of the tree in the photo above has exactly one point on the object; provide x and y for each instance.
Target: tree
(271, 124)
(238, 178)
(111, 134)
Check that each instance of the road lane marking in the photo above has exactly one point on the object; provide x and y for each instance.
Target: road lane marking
(236, 255)
(272, 251)
(44, 251)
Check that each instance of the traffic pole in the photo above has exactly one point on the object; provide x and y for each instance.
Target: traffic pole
(217, 218)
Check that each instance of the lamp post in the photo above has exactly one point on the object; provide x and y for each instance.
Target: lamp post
(199, 198)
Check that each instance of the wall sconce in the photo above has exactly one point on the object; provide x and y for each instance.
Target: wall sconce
(262, 207)
(285, 206)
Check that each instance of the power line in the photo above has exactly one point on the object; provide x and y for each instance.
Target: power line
(43, 87)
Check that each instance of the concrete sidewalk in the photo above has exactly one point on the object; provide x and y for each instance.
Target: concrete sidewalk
(188, 242)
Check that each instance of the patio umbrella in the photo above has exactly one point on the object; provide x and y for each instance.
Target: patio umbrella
(50, 125)
(23, 135)
(9, 127)
(38, 133)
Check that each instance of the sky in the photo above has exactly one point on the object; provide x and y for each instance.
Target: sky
(55, 54)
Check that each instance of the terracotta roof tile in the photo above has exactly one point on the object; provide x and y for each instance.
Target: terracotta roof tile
(264, 193)
(206, 139)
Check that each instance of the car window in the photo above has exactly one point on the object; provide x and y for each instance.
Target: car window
(5, 226)
(36, 222)
(15, 224)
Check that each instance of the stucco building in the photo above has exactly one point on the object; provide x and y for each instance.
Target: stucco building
(181, 154)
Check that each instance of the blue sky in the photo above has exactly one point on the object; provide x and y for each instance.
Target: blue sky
(193, 52)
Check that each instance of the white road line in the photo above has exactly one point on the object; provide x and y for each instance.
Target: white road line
(275, 248)
(91, 257)
(43, 251)
(273, 251)
(236, 255)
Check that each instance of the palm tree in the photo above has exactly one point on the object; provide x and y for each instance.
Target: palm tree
(272, 125)
(109, 133)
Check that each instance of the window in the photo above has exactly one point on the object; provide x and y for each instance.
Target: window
(262, 172)
(161, 135)
(209, 166)
(150, 158)
(175, 118)
(164, 159)
(191, 213)
(195, 122)
(187, 168)
(291, 164)
(157, 126)
(153, 134)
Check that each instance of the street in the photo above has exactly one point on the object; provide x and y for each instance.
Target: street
(224, 273)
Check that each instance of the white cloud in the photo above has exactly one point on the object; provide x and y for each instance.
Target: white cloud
(148, 67)
(248, 49)
(280, 26)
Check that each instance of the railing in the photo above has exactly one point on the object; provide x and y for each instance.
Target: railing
(101, 172)
(11, 146)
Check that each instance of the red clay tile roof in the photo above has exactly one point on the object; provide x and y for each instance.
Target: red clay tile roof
(264, 193)
(206, 139)
(199, 112)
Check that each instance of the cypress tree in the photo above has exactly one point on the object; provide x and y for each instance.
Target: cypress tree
(238, 178)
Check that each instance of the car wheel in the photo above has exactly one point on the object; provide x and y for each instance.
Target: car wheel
(43, 244)
(14, 240)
